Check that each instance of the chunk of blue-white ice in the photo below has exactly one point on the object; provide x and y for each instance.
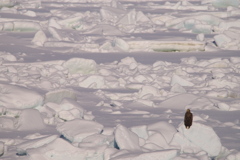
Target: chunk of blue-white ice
(204, 137)
(22, 26)
(58, 95)
(80, 66)
(13, 96)
(7, 3)
(78, 129)
(126, 139)
(30, 119)
(222, 3)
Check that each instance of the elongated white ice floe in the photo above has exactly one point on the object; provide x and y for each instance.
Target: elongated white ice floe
(166, 46)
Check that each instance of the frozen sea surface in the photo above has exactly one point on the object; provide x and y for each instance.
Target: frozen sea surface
(111, 80)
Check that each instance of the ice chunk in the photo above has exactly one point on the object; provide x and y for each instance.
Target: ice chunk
(97, 140)
(93, 81)
(30, 119)
(181, 81)
(225, 3)
(111, 13)
(58, 95)
(186, 146)
(22, 26)
(60, 149)
(120, 44)
(7, 122)
(1, 148)
(222, 40)
(39, 38)
(158, 139)
(141, 131)
(225, 25)
(178, 88)
(77, 129)
(235, 60)
(223, 106)
(55, 33)
(19, 97)
(129, 18)
(148, 90)
(126, 139)
(166, 129)
(200, 37)
(81, 66)
(35, 143)
(7, 56)
(53, 23)
(159, 155)
(179, 101)
(105, 29)
(7, 3)
(204, 137)
(166, 46)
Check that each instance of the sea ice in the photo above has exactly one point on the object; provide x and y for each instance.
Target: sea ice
(58, 95)
(40, 38)
(181, 81)
(148, 90)
(224, 3)
(166, 46)
(1, 148)
(141, 131)
(93, 81)
(13, 96)
(60, 149)
(97, 140)
(78, 129)
(34, 143)
(202, 136)
(181, 142)
(126, 139)
(21, 26)
(222, 40)
(7, 122)
(159, 155)
(30, 119)
(81, 66)
(164, 128)
(178, 102)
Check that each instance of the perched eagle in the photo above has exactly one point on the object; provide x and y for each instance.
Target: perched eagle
(188, 119)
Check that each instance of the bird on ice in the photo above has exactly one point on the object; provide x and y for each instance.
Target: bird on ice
(188, 119)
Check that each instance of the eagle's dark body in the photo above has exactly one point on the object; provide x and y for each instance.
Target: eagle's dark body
(188, 119)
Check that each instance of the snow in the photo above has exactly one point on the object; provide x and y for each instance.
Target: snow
(83, 129)
(111, 80)
(203, 137)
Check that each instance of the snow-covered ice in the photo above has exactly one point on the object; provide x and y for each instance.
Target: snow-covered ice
(112, 79)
